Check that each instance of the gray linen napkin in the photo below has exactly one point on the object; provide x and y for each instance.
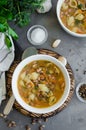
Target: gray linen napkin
(6, 59)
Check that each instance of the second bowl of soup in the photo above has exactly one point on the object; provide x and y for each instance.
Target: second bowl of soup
(40, 83)
(72, 16)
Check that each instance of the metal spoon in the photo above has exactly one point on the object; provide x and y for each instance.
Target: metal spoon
(28, 52)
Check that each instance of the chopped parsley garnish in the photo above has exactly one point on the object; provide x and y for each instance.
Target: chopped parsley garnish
(80, 6)
(78, 21)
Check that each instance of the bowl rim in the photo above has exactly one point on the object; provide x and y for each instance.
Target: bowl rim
(21, 101)
(58, 7)
(77, 93)
(29, 34)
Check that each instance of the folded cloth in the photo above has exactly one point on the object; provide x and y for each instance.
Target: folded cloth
(6, 58)
(2, 86)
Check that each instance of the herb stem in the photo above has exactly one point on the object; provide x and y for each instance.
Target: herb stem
(19, 11)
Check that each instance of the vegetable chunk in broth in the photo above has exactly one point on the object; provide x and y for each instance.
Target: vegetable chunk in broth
(41, 84)
(73, 15)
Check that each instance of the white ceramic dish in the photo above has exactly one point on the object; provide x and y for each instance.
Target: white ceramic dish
(77, 92)
(15, 88)
(58, 7)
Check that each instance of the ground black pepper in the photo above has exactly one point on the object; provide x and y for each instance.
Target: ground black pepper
(82, 91)
(84, 72)
(76, 69)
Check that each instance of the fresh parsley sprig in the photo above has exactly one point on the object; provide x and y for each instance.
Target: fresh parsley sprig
(18, 11)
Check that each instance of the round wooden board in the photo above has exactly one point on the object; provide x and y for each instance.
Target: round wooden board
(22, 110)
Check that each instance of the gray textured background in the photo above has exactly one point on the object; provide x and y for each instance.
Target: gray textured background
(73, 117)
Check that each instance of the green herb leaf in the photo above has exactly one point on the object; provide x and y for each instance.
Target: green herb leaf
(36, 87)
(23, 18)
(12, 33)
(80, 6)
(6, 13)
(3, 24)
(3, 28)
(7, 41)
(77, 21)
(3, 2)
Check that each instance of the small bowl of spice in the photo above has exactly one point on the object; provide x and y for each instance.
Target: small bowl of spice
(37, 35)
(81, 92)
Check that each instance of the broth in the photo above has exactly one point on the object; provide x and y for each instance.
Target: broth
(41, 84)
(73, 15)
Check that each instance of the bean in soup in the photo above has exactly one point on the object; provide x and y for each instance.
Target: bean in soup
(73, 15)
(41, 84)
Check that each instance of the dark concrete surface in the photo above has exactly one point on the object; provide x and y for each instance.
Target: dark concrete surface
(73, 117)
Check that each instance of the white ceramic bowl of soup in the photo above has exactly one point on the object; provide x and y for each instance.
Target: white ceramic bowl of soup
(15, 90)
(58, 10)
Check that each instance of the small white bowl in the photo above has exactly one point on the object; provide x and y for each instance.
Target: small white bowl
(58, 7)
(15, 87)
(32, 29)
(77, 92)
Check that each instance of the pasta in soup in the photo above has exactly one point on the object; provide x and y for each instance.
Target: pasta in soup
(41, 84)
(73, 15)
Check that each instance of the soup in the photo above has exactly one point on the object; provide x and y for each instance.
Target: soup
(73, 15)
(41, 84)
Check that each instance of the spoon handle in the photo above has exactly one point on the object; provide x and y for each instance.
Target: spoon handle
(9, 105)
